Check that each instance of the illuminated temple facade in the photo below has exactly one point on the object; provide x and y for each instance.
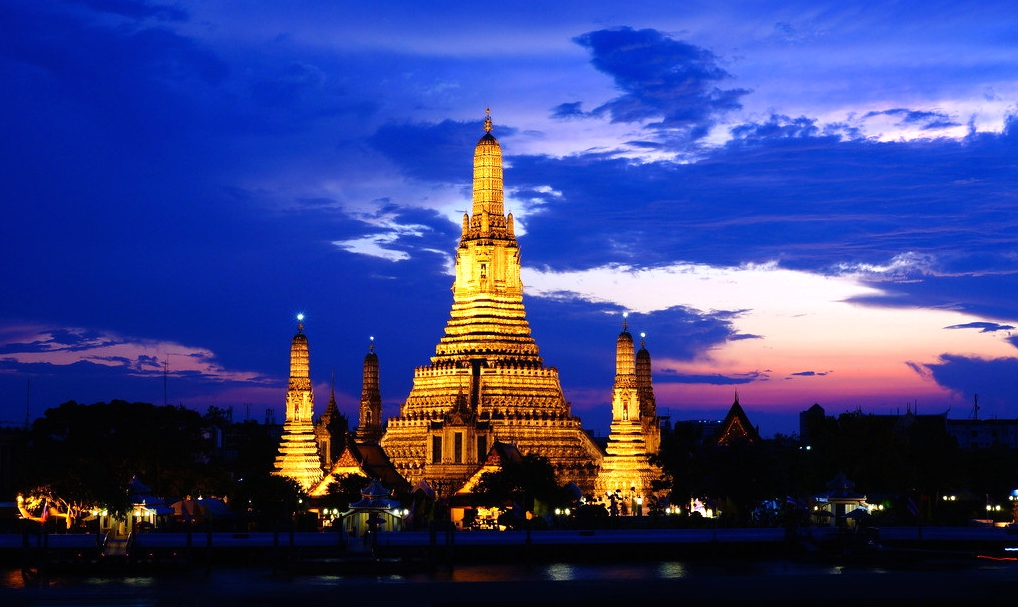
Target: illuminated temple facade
(635, 433)
(298, 456)
(487, 381)
(486, 387)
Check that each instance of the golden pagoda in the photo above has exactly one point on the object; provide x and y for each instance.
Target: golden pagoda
(298, 448)
(487, 381)
(626, 471)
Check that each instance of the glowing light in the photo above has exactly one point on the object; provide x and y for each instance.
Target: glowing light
(300, 317)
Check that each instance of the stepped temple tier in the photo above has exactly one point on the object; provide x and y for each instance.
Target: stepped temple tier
(298, 456)
(487, 381)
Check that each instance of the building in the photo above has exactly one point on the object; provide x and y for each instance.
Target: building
(972, 434)
(626, 470)
(298, 456)
(487, 381)
(328, 447)
(486, 385)
(736, 426)
(360, 454)
(369, 430)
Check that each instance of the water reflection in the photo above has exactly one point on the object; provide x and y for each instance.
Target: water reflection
(560, 571)
(671, 570)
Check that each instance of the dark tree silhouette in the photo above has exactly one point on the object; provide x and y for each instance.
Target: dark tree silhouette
(87, 454)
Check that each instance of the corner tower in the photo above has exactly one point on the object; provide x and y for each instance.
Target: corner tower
(298, 450)
(487, 381)
(627, 472)
(369, 427)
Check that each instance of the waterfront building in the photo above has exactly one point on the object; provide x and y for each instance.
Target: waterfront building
(298, 456)
(487, 381)
(834, 506)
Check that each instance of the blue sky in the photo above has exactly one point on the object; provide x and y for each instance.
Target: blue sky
(801, 201)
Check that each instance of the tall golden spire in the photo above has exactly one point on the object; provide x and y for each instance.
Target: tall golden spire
(300, 376)
(627, 471)
(488, 321)
(625, 364)
(298, 449)
(644, 381)
(488, 194)
(487, 381)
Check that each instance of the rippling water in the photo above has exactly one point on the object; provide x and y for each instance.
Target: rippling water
(515, 584)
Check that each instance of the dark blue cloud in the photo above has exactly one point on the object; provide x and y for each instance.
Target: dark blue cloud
(810, 374)
(139, 80)
(565, 111)
(995, 381)
(984, 327)
(578, 336)
(672, 84)
(741, 336)
(942, 210)
(433, 152)
(834, 202)
(717, 379)
(136, 9)
(987, 295)
(777, 127)
(923, 119)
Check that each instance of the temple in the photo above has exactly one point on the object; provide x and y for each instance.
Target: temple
(486, 392)
(298, 456)
(487, 381)
(626, 472)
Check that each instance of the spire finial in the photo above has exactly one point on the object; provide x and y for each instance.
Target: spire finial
(371, 347)
(487, 120)
(643, 340)
(625, 321)
(300, 323)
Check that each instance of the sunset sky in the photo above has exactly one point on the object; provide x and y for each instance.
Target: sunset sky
(803, 202)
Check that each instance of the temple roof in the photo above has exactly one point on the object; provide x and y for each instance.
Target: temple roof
(736, 426)
(368, 459)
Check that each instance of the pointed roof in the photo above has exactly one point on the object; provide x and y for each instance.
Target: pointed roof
(331, 409)
(367, 459)
(736, 426)
(644, 380)
(497, 456)
(375, 497)
(840, 488)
